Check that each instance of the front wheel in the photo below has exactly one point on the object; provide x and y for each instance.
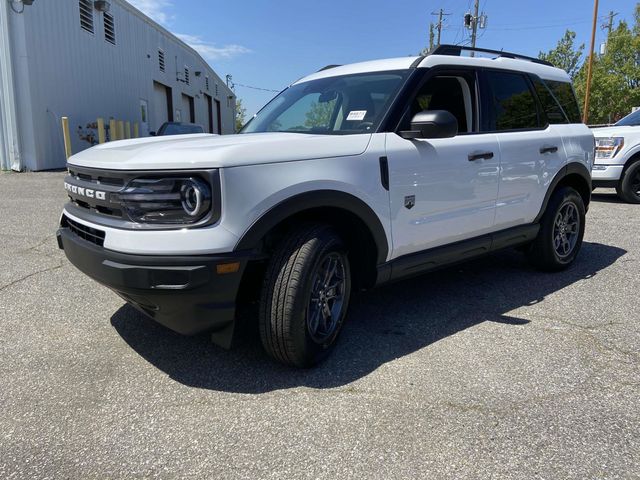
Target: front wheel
(628, 188)
(305, 296)
(561, 231)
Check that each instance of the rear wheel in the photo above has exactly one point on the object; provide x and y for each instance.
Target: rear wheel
(561, 231)
(629, 187)
(305, 296)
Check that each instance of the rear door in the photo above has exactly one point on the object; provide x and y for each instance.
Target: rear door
(442, 190)
(531, 150)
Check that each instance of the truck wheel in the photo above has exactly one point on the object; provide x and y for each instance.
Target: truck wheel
(561, 231)
(305, 296)
(628, 188)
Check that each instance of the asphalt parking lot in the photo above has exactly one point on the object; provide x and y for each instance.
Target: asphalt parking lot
(486, 370)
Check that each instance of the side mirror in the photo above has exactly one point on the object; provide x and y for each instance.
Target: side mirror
(432, 124)
(153, 134)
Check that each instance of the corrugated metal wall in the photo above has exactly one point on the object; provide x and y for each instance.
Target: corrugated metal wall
(68, 71)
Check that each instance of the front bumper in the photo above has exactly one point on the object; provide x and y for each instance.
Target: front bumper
(183, 293)
(606, 175)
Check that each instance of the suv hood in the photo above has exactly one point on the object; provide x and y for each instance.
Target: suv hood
(214, 151)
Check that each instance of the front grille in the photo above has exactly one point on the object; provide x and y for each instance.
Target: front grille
(89, 234)
(96, 180)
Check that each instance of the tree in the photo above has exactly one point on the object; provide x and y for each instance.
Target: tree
(565, 55)
(615, 86)
(319, 115)
(241, 114)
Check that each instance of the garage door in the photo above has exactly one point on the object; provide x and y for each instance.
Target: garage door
(161, 108)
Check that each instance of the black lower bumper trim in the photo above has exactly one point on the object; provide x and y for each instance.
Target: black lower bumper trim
(605, 183)
(183, 293)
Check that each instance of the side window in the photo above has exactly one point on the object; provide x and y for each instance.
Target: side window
(550, 106)
(453, 93)
(563, 91)
(511, 102)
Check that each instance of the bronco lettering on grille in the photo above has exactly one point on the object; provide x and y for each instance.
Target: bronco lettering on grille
(85, 192)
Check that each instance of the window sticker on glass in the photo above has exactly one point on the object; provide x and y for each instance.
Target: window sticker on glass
(356, 115)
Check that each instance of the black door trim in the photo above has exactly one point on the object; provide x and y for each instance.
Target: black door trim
(439, 257)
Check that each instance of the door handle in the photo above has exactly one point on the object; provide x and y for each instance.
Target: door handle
(549, 149)
(480, 156)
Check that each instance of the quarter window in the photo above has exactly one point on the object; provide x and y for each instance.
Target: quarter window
(552, 109)
(511, 102)
(567, 99)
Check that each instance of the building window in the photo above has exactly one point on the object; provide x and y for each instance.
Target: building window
(206, 83)
(216, 89)
(109, 28)
(86, 15)
(186, 75)
(161, 60)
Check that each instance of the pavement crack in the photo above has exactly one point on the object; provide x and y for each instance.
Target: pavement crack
(25, 277)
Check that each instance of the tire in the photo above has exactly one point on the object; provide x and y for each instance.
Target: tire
(561, 231)
(300, 316)
(628, 188)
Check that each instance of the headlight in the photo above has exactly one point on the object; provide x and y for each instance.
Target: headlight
(167, 200)
(608, 147)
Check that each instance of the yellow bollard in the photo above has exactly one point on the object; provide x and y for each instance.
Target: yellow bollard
(136, 132)
(67, 136)
(113, 130)
(101, 133)
(127, 130)
(120, 129)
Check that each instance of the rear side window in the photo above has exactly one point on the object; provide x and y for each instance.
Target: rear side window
(563, 91)
(511, 102)
(550, 106)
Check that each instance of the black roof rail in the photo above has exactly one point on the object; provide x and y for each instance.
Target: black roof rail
(328, 67)
(456, 51)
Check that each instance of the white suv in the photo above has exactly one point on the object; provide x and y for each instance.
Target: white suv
(617, 163)
(354, 176)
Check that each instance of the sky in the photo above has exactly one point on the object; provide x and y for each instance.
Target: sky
(270, 44)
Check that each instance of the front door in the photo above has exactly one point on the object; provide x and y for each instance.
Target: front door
(442, 190)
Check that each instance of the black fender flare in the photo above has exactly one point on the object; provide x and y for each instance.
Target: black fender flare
(312, 200)
(573, 168)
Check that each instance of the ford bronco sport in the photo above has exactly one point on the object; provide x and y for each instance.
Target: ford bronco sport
(354, 176)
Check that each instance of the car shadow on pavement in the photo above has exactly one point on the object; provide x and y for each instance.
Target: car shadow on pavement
(384, 324)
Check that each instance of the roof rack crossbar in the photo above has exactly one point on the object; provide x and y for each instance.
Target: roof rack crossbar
(456, 51)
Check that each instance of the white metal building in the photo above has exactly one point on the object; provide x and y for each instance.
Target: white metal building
(85, 59)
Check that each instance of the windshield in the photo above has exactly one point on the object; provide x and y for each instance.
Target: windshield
(631, 120)
(342, 105)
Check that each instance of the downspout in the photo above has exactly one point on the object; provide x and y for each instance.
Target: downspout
(10, 157)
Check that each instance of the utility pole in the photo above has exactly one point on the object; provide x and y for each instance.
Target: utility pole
(585, 114)
(431, 36)
(440, 14)
(473, 22)
(609, 25)
(474, 25)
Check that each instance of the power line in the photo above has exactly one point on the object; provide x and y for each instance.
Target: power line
(235, 84)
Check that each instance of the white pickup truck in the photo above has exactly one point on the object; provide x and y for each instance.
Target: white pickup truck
(617, 162)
